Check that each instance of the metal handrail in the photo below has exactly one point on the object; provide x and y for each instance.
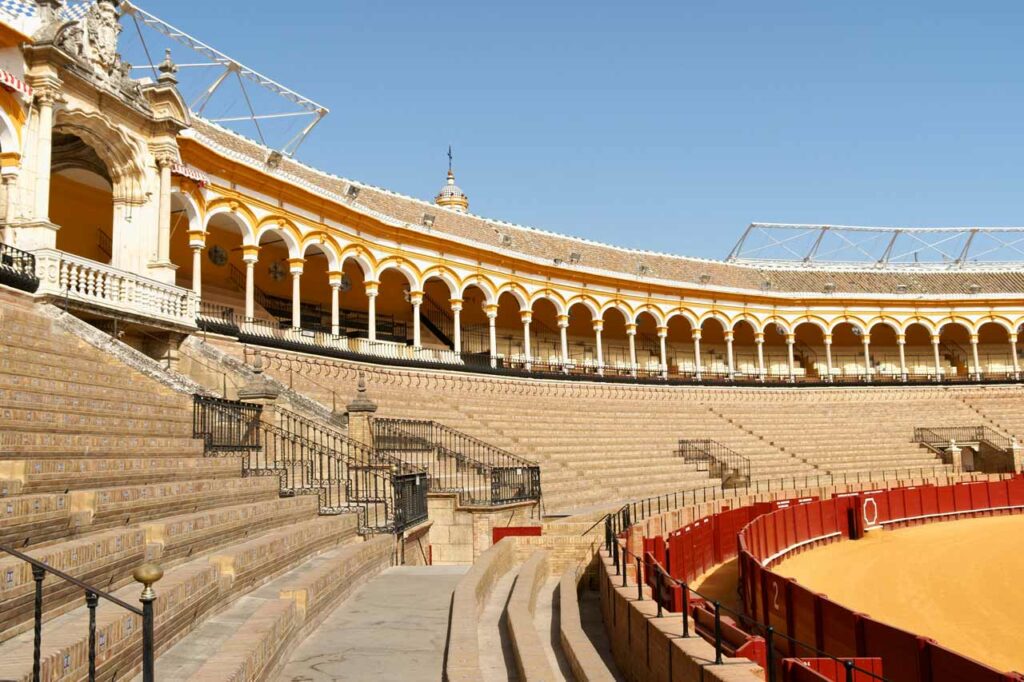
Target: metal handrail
(942, 435)
(18, 268)
(346, 475)
(720, 461)
(458, 463)
(146, 574)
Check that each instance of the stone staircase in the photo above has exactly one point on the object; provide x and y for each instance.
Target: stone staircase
(99, 473)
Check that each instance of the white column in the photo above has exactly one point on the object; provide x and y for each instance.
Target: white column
(10, 177)
(296, 298)
(456, 304)
(828, 356)
(866, 339)
(416, 298)
(335, 313)
(974, 355)
(938, 363)
(197, 270)
(563, 332)
(790, 340)
(759, 341)
(901, 343)
(44, 153)
(371, 310)
(249, 257)
(631, 335)
(730, 362)
(662, 335)
(197, 242)
(598, 326)
(163, 236)
(696, 354)
(1013, 354)
(492, 315)
(527, 316)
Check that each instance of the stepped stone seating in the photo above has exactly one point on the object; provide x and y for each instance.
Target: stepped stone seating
(99, 473)
(599, 443)
(1001, 408)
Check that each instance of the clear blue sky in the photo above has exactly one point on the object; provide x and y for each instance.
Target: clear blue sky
(661, 125)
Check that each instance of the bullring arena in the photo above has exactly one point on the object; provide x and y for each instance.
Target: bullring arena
(263, 422)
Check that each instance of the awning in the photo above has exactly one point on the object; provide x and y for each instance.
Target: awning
(190, 173)
(12, 82)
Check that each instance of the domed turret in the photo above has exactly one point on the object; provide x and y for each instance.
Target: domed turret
(450, 195)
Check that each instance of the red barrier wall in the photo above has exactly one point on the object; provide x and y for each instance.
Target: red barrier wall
(816, 620)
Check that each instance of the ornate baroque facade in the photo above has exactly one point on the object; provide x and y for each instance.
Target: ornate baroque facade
(185, 205)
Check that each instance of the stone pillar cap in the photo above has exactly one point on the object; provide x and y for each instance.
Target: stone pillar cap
(362, 402)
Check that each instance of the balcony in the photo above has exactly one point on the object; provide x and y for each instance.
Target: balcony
(85, 283)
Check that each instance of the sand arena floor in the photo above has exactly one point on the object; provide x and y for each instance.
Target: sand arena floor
(957, 582)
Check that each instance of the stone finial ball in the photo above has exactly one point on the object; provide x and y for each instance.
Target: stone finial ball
(147, 574)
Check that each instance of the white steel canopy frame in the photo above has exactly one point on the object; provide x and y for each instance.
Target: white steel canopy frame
(228, 69)
(790, 245)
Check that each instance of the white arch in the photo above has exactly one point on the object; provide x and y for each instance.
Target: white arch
(294, 250)
(191, 209)
(240, 221)
(325, 247)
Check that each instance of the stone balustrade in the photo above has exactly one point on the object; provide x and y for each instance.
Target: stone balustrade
(83, 281)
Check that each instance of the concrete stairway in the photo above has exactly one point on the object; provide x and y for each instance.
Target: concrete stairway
(99, 473)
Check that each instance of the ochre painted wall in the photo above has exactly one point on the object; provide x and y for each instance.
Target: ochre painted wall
(81, 211)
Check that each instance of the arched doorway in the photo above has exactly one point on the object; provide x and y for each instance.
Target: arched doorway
(81, 199)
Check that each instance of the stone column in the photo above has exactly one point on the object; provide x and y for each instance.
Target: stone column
(631, 335)
(695, 333)
(295, 267)
(729, 360)
(334, 278)
(44, 152)
(662, 335)
(938, 362)
(527, 317)
(974, 356)
(598, 326)
(1013, 354)
(828, 356)
(868, 369)
(491, 310)
(10, 177)
(563, 327)
(901, 343)
(197, 242)
(360, 415)
(456, 304)
(790, 341)
(759, 342)
(416, 298)
(163, 236)
(250, 255)
(371, 309)
(1018, 457)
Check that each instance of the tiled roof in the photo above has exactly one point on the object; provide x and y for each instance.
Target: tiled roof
(539, 244)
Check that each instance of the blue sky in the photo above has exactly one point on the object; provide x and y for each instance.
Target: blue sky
(660, 125)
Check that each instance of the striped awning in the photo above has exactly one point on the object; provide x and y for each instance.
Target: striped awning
(190, 173)
(12, 82)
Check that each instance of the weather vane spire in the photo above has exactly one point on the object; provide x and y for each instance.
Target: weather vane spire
(449, 158)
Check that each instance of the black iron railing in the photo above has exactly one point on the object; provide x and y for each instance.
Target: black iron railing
(940, 436)
(478, 472)
(216, 318)
(312, 459)
(226, 425)
(18, 268)
(718, 460)
(146, 574)
(439, 320)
